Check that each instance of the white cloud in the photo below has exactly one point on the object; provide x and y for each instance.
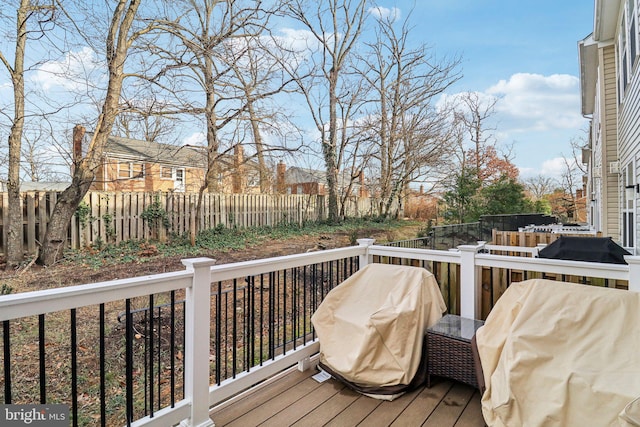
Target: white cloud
(196, 138)
(553, 168)
(537, 116)
(533, 102)
(297, 40)
(380, 12)
(73, 72)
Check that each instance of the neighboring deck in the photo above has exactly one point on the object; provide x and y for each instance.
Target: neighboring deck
(297, 399)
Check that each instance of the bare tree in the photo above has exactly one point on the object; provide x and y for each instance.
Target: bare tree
(27, 11)
(473, 114)
(145, 123)
(539, 186)
(336, 26)
(410, 134)
(120, 36)
(198, 55)
(259, 75)
(567, 205)
(354, 152)
(40, 156)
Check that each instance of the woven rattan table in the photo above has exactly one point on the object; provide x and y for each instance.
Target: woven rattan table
(449, 349)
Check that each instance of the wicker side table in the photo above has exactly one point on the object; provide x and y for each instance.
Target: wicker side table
(449, 349)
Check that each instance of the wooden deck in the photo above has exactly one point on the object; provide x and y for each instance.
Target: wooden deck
(297, 399)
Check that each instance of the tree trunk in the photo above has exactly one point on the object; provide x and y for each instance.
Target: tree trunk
(329, 148)
(83, 175)
(14, 253)
(58, 227)
(265, 176)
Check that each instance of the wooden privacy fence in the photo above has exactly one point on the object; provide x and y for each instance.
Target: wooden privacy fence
(116, 216)
(529, 239)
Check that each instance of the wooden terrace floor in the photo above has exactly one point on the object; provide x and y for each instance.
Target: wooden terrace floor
(297, 399)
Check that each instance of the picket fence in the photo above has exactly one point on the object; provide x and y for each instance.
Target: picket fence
(112, 217)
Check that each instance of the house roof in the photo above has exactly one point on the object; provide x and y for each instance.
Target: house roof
(296, 175)
(136, 149)
(38, 186)
(588, 58)
(605, 19)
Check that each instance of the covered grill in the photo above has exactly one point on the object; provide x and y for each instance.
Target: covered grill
(371, 328)
(591, 249)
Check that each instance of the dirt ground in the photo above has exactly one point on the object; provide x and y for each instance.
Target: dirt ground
(36, 277)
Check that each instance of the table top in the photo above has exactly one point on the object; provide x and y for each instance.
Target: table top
(456, 327)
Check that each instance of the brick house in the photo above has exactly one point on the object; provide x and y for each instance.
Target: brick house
(296, 180)
(136, 165)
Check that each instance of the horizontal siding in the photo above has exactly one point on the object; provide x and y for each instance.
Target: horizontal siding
(611, 217)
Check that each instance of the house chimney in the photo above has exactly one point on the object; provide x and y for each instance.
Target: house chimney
(362, 191)
(78, 136)
(239, 176)
(281, 169)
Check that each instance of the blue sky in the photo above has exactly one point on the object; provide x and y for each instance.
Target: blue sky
(524, 51)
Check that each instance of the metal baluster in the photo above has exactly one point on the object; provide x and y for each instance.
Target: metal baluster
(103, 410)
(272, 285)
(159, 360)
(284, 313)
(234, 341)
(150, 356)
(129, 361)
(172, 351)
(261, 317)
(7, 361)
(41, 346)
(74, 368)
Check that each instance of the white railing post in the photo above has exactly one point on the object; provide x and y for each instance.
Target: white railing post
(365, 259)
(197, 339)
(470, 286)
(634, 272)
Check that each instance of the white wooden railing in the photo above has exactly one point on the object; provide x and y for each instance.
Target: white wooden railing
(199, 395)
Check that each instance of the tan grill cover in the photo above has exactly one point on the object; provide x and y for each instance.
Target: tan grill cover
(560, 354)
(371, 326)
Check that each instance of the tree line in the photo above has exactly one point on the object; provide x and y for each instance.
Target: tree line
(337, 83)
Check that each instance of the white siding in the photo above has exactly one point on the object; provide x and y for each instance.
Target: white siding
(609, 143)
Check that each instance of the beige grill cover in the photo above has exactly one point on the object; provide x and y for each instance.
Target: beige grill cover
(560, 354)
(372, 325)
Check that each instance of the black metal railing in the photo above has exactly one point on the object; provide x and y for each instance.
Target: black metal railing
(254, 319)
(417, 243)
(106, 372)
(117, 362)
(266, 315)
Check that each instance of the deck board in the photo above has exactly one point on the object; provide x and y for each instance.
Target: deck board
(297, 399)
(304, 405)
(472, 413)
(449, 411)
(387, 412)
(327, 411)
(354, 413)
(423, 405)
(260, 406)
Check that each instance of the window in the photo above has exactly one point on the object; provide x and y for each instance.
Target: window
(166, 172)
(627, 47)
(628, 208)
(632, 33)
(124, 170)
(137, 170)
(622, 57)
(127, 170)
